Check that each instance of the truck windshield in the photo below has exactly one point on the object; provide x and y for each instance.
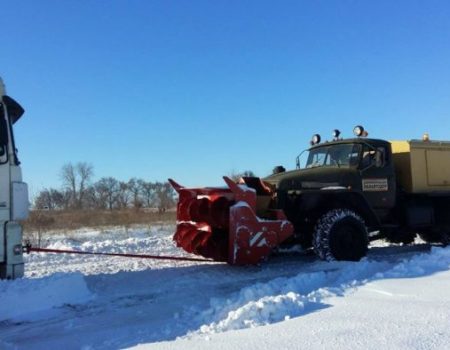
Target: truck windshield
(344, 155)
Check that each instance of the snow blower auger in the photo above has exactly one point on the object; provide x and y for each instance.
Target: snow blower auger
(231, 224)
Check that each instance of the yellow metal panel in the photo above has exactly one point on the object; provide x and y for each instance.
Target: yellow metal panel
(422, 166)
(438, 167)
(399, 146)
(402, 163)
(418, 170)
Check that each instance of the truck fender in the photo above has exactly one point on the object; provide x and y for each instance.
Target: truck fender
(321, 201)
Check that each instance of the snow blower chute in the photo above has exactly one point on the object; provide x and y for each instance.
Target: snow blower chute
(231, 224)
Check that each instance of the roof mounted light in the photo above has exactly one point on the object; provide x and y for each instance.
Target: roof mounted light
(358, 130)
(315, 139)
(336, 134)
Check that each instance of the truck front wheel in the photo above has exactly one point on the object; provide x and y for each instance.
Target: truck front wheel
(340, 234)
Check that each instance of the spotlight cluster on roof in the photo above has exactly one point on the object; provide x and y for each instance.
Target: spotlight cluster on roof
(358, 130)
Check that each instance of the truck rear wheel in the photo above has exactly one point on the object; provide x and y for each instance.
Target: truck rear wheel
(340, 234)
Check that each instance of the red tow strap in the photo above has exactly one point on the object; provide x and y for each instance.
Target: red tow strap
(29, 249)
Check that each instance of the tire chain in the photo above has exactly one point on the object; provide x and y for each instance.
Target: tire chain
(321, 235)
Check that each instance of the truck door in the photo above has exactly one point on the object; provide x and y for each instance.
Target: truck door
(377, 176)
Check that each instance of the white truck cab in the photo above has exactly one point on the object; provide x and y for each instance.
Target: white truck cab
(14, 202)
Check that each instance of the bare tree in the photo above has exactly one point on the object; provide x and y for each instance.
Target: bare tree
(165, 196)
(93, 199)
(97, 194)
(123, 195)
(58, 199)
(107, 189)
(106, 193)
(43, 200)
(50, 199)
(66, 199)
(69, 179)
(85, 172)
(135, 189)
(147, 192)
(75, 179)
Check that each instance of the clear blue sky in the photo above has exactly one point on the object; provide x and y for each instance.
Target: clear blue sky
(196, 89)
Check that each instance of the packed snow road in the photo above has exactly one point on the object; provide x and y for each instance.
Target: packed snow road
(294, 300)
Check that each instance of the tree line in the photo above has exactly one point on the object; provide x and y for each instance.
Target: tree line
(79, 192)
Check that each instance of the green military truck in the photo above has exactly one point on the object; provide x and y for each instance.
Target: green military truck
(346, 193)
(353, 190)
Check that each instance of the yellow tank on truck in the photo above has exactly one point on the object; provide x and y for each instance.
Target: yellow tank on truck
(422, 166)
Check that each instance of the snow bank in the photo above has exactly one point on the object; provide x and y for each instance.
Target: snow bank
(391, 313)
(285, 298)
(419, 265)
(266, 310)
(20, 299)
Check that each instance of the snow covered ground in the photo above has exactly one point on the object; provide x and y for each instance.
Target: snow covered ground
(397, 297)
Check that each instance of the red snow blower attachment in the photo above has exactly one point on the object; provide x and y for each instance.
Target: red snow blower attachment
(231, 224)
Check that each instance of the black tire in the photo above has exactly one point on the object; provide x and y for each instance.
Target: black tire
(340, 234)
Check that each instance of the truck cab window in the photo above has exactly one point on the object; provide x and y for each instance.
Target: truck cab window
(341, 155)
(373, 157)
